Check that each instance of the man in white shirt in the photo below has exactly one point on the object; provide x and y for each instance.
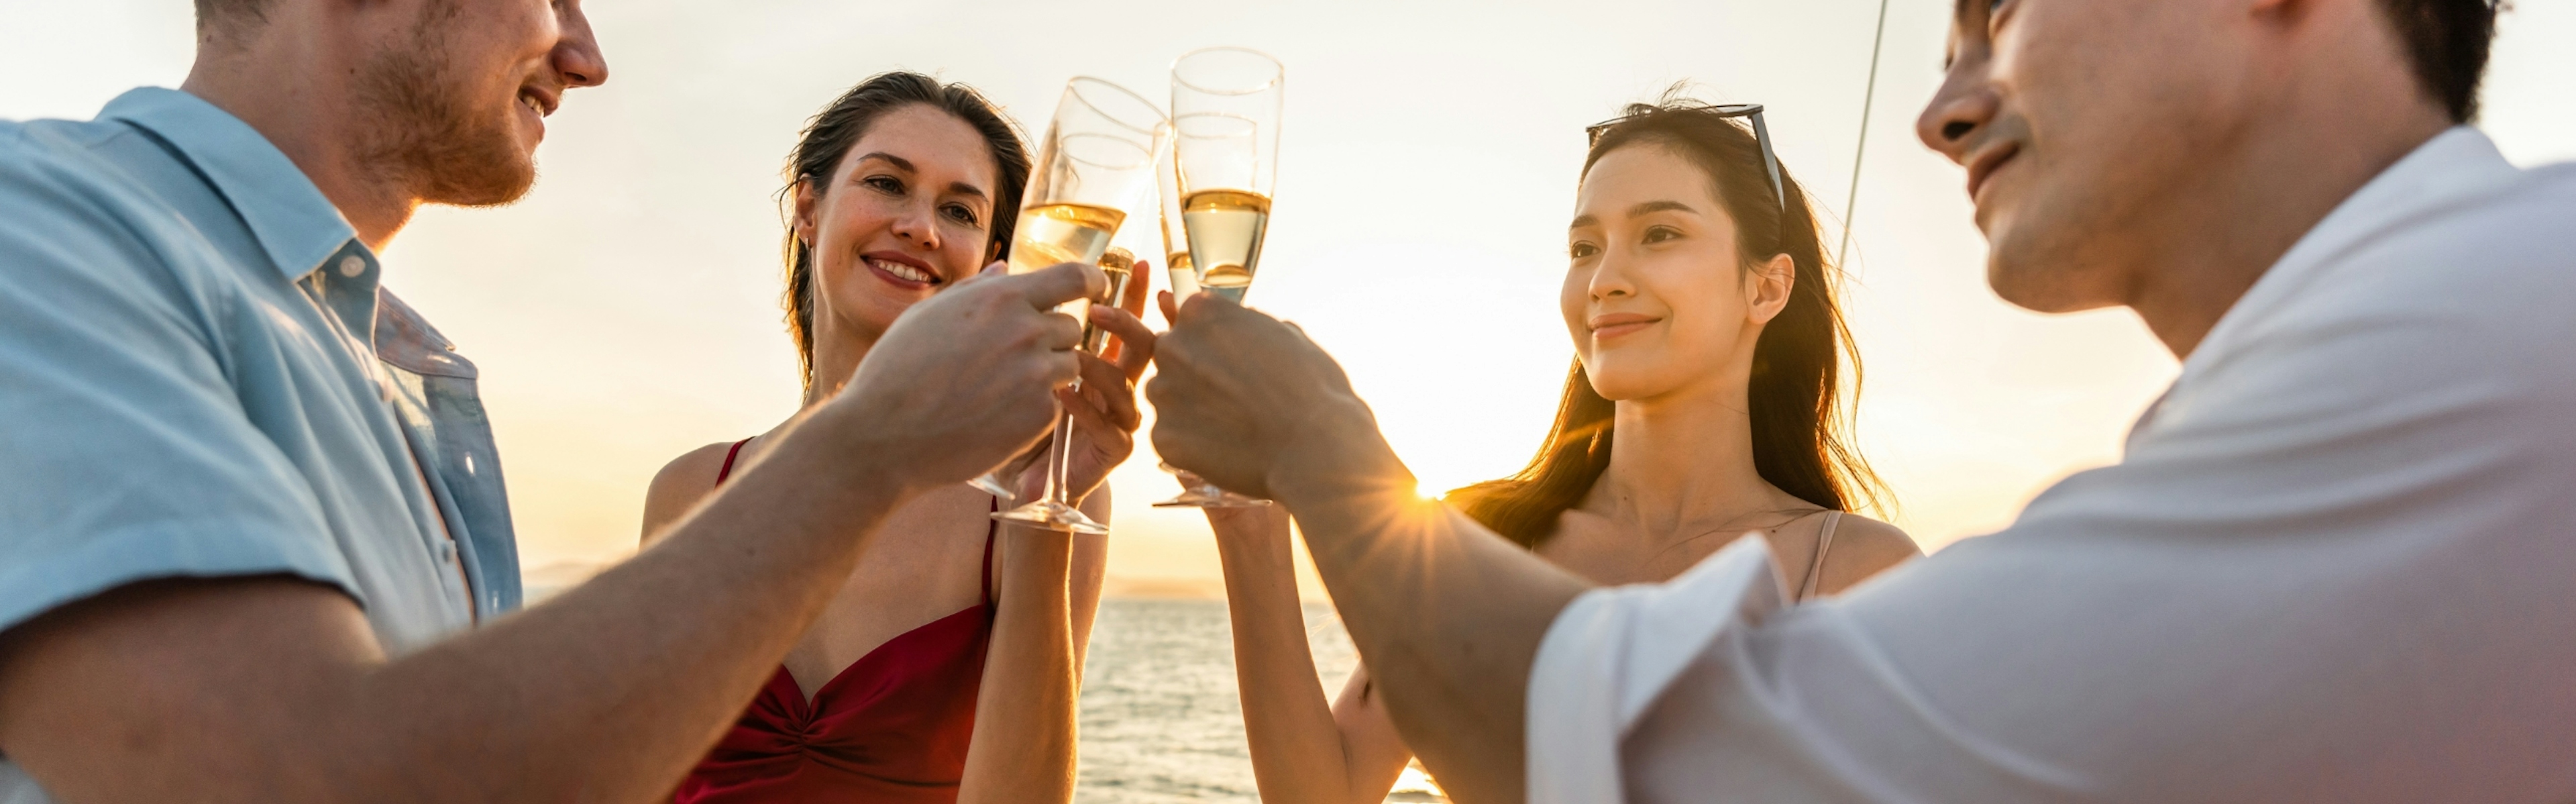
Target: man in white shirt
(2334, 564)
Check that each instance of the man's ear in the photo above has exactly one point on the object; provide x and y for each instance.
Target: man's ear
(1769, 285)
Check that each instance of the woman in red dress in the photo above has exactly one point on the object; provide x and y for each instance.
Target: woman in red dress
(946, 668)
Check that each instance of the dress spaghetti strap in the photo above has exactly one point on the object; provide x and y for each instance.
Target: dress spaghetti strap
(991, 527)
(1816, 567)
(727, 471)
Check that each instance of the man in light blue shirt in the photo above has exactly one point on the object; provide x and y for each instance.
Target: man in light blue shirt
(209, 409)
(249, 505)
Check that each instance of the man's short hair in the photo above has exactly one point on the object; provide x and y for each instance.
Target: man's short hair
(2447, 40)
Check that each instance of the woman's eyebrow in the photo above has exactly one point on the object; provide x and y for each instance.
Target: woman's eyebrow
(1651, 207)
(899, 163)
(962, 188)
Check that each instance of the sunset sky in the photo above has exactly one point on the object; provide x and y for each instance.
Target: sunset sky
(627, 310)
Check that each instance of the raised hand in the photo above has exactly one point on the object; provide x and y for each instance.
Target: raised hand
(1104, 411)
(964, 380)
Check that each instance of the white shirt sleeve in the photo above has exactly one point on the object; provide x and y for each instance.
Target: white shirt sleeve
(2335, 565)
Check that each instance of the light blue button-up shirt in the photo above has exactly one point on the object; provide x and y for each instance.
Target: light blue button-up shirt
(199, 377)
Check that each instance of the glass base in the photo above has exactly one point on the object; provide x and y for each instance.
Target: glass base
(1196, 492)
(1197, 498)
(992, 484)
(1052, 515)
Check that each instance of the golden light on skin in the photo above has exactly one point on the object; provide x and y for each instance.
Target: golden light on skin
(627, 310)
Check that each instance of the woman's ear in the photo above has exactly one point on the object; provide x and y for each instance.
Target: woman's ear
(805, 203)
(1769, 286)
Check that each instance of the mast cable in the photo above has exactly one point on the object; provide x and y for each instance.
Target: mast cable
(1869, 98)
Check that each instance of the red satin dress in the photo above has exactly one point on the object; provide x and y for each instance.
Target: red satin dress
(892, 728)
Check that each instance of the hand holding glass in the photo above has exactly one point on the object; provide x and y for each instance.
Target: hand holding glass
(1096, 161)
(1217, 189)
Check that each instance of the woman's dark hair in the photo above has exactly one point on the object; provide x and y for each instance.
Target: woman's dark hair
(829, 136)
(1801, 442)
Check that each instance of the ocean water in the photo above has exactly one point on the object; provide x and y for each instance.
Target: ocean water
(1160, 720)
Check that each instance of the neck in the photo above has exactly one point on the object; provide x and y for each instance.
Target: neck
(296, 88)
(837, 352)
(2270, 180)
(1682, 460)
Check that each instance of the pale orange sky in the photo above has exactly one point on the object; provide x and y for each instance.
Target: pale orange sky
(626, 311)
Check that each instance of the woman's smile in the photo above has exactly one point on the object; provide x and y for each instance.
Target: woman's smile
(1613, 325)
(901, 270)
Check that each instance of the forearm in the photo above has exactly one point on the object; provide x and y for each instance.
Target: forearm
(1447, 616)
(613, 690)
(1299, 755)
(1025, 710)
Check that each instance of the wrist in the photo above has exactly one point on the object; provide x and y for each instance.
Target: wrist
(1337, 454)
(1255, 538)
(1035, 555)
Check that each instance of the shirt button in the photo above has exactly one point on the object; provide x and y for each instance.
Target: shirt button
(351, 266)
(447, 552)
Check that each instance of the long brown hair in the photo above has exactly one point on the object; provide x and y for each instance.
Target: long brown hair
(1801, 438)
(830, 135)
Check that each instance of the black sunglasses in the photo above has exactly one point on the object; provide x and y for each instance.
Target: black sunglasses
(1761, 136)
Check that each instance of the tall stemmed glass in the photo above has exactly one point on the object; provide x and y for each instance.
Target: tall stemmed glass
(1225, 164)
(1096, 162)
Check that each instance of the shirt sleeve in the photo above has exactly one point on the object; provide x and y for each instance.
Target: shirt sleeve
(2334, 566)
(125, 453)
(1612, 651)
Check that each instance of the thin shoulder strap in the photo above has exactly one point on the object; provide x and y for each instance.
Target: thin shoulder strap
(727, 471)
(1816, 567)
(991, 526)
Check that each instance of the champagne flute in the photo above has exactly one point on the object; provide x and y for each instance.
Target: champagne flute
(1118, 264)
(1196, 492)
(1225, 160)
(1097, 160)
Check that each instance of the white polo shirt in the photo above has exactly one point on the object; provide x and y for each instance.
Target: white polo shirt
(2337, 564)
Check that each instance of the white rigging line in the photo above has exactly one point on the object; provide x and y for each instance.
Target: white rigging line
(1851, 203)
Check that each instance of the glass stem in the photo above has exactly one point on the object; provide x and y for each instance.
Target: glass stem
(1060, 460)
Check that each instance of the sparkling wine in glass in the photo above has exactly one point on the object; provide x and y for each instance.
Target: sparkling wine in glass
(1096, 161)
(1225, 161)
(1119, 265)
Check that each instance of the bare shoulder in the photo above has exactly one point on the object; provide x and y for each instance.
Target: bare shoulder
(1864, 547)
(680, 485)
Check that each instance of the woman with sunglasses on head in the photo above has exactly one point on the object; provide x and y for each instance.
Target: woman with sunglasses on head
(946, 667)
(1703, 406)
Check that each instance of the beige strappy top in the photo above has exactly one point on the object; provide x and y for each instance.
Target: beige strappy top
(1816, 566)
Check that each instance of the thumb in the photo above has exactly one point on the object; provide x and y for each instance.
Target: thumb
(998, 268)
(1047, 287)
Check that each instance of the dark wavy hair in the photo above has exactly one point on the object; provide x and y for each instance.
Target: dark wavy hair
(829, 136)
(1801, 439)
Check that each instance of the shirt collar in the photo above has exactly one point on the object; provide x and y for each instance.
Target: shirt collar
(294, 223)
(2457, 166)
